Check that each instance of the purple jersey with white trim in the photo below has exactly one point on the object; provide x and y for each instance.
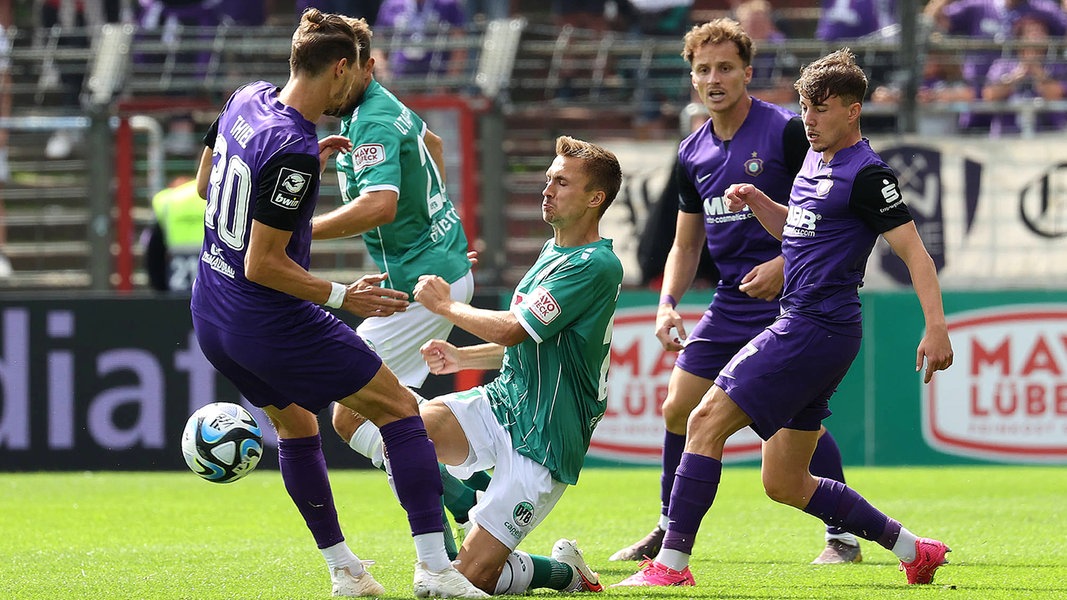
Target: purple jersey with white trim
(737, 242)
(836, 213)
(264, 166)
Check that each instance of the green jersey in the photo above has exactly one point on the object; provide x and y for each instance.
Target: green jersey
(552, 388)
(389, 153)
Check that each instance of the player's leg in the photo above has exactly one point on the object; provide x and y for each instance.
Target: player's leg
(841, 506)
(392, 407)
(684, 391)
(696, 483)
(841, 546)
(303, 468)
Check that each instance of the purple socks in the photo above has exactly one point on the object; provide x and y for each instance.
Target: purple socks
(826, 463)
(416, 476)
(840, 506)
(673, 446)
(695, 484)
(304, 474)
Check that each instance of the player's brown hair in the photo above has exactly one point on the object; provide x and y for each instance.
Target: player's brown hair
(363, 37)
(321, 40)
(717, 32)
(600, 164)
(835, 74)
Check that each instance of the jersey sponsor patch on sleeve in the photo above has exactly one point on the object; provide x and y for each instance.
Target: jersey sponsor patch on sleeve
(543, 306)
(366, 155)
(291, 188)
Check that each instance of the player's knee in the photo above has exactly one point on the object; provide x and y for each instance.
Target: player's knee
(785, 492)
(345, 422)
(676, 412)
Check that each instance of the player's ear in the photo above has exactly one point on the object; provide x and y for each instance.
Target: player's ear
(598, 198)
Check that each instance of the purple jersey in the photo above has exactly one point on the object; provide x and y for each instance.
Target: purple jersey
(1008, 123)
(265, 166)
(760, 153)
(836, 213)
(851, 19)
(416, 22)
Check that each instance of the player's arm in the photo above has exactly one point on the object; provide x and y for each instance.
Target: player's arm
(275, 216)
(436, 146)
(877, 200)
(364, 213)
(935, 348)
(496, 326)
(203, 170)
(443, 358)
(770, 214)
(682, 263)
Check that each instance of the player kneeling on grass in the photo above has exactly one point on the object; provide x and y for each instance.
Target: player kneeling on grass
(533, 423)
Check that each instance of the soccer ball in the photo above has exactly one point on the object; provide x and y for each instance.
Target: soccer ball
(222, 442)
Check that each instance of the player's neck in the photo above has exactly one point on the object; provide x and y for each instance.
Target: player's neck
(304, 97)
(577, 236)
(727, 122)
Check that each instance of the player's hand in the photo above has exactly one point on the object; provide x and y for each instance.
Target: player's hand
(936, 349)
(440, 356)
(366, 298)
(765, 280)
(329, 145)
(472, 255)
(434, 293)
(670, 330)
(737, 196)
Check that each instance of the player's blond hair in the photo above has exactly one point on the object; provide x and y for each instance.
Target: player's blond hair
(719, 31)
(600, 164)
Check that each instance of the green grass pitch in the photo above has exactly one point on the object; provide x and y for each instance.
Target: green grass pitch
(171, 535)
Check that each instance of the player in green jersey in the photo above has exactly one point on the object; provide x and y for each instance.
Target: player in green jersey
(533, 423)
(393, 187)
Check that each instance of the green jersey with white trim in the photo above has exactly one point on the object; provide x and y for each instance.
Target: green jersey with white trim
(389, 153)
(552, 388)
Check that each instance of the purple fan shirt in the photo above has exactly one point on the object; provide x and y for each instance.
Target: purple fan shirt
(851, 19)
(416, 21)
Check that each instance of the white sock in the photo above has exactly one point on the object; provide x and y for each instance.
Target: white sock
(664, 521)
(339, 556)
(905, 546)
(430, 549)
(673, 559)
(367, 440)
(846, 538)
(516, 576)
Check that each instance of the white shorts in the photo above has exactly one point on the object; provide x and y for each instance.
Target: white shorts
(398, 337)
(521, 493)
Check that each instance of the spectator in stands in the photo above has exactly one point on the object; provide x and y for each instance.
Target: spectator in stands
(72, 16)
(988, 20)
(580, 14)
(852, 19)
(243, 13)
(1031, 73)
(943, 83)
(664, 18)
(417, 23)
(5, 111)
(773, 72)
(360, 9)
(165, 19)
(172, 248)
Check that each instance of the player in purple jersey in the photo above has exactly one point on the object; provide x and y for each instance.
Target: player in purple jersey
(256, 310)
(843, 198)
(745, 140)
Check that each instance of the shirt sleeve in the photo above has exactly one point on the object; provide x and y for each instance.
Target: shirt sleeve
(212, 133)
(285, 183)
(795, 143)
(376, 159)
(689, 200)
(571, 291)
(876, 199)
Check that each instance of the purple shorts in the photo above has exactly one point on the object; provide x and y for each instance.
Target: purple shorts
(321, 360)
(785, 376)
(717, 338)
